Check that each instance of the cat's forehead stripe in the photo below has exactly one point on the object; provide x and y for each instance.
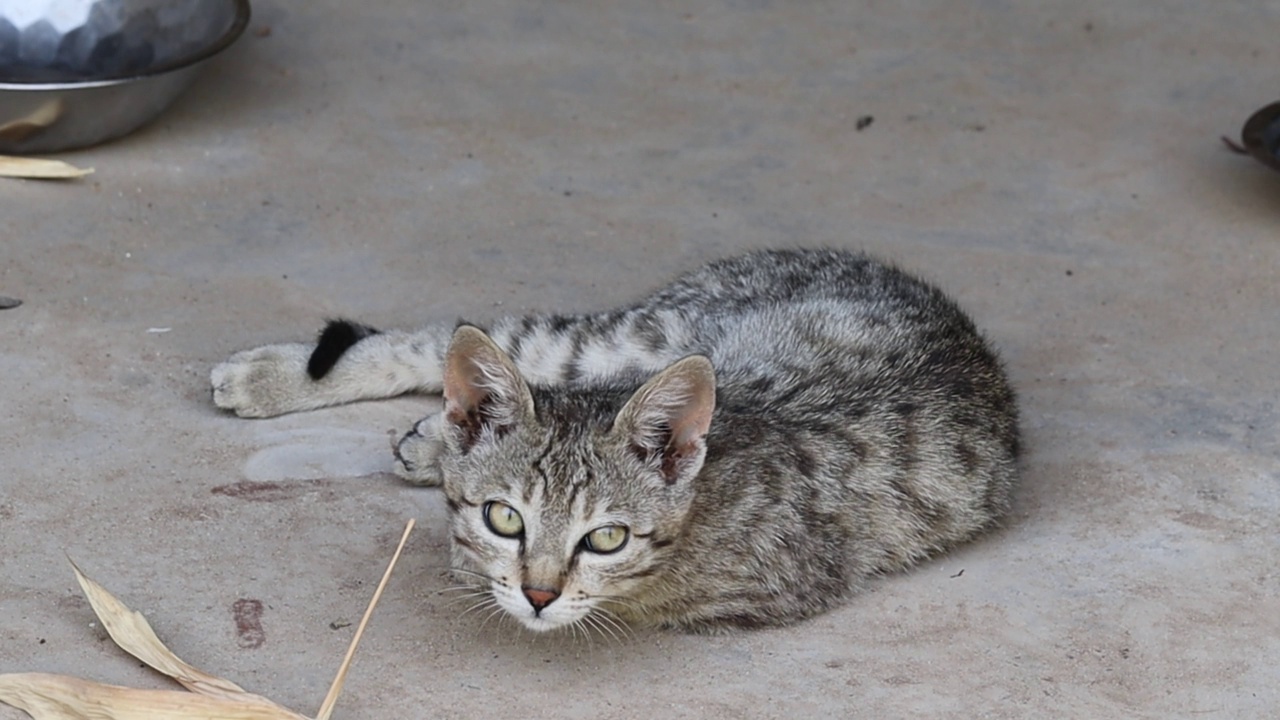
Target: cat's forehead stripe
(538, 461)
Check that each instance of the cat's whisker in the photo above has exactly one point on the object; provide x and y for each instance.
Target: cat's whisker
(474, 608)
(605, 621)
(443, 569)
(470, 600)
(463, 588)
(497, 612)
(458, 588)
(495, 609)
(622, 601)
(574, 627)
(624, 632)
(462, 593)
(478, 597)
(627, 631)
(614, 615)
(485, 602)
(457, 601)
(472, 573)
(605, 632)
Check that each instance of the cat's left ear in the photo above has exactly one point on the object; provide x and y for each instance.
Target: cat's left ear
(666, 420)
(484, 395)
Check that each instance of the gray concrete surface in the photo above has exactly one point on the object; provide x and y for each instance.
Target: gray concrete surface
(1054, 164)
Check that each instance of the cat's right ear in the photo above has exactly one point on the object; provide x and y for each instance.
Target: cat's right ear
(484, 395)
(666, 421)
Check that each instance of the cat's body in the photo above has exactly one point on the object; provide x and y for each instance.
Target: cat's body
(856, 422)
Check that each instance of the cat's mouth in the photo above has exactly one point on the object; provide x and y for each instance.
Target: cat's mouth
(575, 610)
(559, 613)
(540, 624)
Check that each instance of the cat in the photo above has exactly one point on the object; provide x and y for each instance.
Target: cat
(741, 449)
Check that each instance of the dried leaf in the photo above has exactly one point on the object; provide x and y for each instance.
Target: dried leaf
(39, 168)
(60, 697)
(134, 635)
(34, 122)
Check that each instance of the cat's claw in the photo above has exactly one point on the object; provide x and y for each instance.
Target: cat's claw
(417, 454)
(264, 382)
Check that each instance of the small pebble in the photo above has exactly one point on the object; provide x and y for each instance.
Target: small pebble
(8, 303)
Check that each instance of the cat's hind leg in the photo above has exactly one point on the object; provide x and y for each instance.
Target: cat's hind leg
(349, 362)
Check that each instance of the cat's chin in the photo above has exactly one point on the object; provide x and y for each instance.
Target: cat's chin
(540, 625)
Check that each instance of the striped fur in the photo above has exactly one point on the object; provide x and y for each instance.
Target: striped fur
(856, 423)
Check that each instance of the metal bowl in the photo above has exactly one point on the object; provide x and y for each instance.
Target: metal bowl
(75, 73)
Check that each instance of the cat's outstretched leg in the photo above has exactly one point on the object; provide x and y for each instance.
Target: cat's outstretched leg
(349, 362)
(417, 453)
(353, 362)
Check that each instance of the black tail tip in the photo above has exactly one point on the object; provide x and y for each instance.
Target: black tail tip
(336, 338)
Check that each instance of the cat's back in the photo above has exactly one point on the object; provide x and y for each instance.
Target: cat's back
(779, 320)
(780, 276)
(848, 389)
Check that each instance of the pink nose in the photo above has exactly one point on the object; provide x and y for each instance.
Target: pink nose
(539, 598)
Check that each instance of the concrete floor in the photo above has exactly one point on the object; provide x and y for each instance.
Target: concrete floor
(1054, 164)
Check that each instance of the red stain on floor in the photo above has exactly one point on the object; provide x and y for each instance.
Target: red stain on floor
(248, 617)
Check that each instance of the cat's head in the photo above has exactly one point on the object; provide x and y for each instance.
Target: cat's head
(566, 502)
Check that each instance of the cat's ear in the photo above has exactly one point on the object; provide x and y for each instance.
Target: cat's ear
(484, 395)
(666, 420)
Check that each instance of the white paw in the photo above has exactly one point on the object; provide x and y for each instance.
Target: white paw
(265, 382)
(418, 452)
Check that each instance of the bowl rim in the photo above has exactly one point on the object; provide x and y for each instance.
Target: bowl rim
(241, 21)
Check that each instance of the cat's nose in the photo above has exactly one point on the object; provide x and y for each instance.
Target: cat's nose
(539, 598)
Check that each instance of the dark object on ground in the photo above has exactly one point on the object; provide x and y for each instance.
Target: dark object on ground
(9, 303)
(1261, 137)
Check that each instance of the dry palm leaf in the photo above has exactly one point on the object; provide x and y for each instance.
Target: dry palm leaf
(39, 168)
(34, 122)
(59, 697)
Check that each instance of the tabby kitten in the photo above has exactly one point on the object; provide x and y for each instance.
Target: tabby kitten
(740, 449)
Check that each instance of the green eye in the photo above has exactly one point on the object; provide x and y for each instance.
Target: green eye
(503, 519)
(605, 540)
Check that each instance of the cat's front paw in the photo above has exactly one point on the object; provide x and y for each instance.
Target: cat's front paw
(418, 452)
(264, 382)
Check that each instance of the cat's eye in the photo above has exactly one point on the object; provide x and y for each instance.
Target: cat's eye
(502, 519)
(607, 539)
